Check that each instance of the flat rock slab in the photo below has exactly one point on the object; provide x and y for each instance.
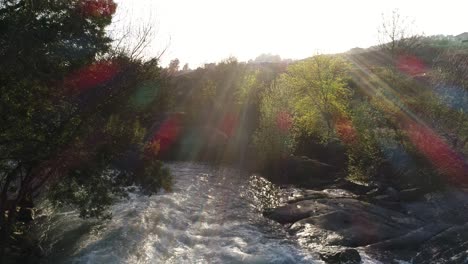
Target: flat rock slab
(412, 240)
(301, 195)
(450, 246)
(349, 256)
(345, 222)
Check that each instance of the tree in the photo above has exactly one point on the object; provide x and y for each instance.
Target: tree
(320, 86)
(396, 34)
(34, 61)
(174, 66)
(267, 58)
(274, 139)
(68, 130)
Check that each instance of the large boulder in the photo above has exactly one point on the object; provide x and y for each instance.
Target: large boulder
(411, 240)
(333, 152)
(450, 246)
(338, 256)
(353, 187)
(292, 213)
(342, 221)
(25, 215)
(450, 206)
(411, 195)
(306, 172)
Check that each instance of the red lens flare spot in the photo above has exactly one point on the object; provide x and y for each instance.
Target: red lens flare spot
(411, 65)
(167, 134)
(98, 8)
(91, 76)
(152, 148)
(445, 160)
(346, 131)
(284, 121)
(229, 124)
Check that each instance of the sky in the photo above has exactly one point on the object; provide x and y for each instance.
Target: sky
(203, 31)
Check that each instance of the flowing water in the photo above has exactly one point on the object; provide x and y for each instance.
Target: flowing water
(210, 217)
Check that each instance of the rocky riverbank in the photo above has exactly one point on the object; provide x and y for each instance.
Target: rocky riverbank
(344, 219)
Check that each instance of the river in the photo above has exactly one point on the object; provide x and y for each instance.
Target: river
(209, 217)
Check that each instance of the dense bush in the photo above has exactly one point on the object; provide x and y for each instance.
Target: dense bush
(67, 119)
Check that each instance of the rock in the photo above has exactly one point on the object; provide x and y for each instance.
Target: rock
(410, 195)
(292, 212)
(390, 191)
(387, 223)
(341, 256)
(326, 193)
(333, 153)
(25, 215)
(411, 240)
(387, 201)
(309, 195)
(339, 193)
(450, 246)
(22, 248)
(306, 172)
(374, 192)
(448, 206)
(385, 197)
(347, 222)
(355, 188)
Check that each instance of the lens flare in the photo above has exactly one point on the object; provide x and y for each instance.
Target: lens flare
(145, 94)
(167, 133)
(98, 8)
(411, 65)
(346, 131)
(284, 121)
(445, 160)
(229, 124)
(91, 76)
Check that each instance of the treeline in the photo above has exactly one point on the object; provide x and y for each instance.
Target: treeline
(395, 113)
(73, 124)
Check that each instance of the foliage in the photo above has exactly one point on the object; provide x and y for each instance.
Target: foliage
(396, 34)
(67, 123)
(304, 104)
(320, 86)
(273, 138)
(365, 148)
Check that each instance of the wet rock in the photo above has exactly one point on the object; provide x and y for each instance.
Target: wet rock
(410, 225)
(449, 207)
(391, 192)
(25, 215)
(355, 188)
(385, 197)
(411, 240)
(326, 193)
(450, 246)
(308, 195)
(339, 193)
(348, 222)
(387, 201)
(292, 212)
(22, 248)
(341, 256)
(350, 229)
(303, 171)
(410, 195)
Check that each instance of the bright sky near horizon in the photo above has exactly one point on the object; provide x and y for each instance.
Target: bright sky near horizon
(203, 31)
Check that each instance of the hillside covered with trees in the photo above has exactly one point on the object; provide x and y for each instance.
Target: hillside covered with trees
(378, 114)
